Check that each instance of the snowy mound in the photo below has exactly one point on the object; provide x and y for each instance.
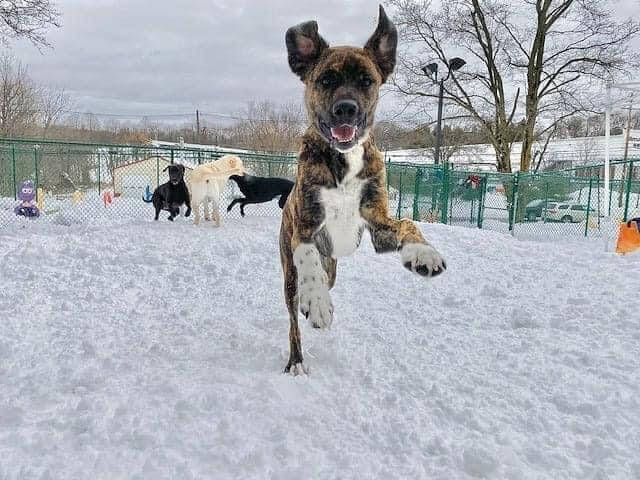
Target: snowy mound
(155, 350)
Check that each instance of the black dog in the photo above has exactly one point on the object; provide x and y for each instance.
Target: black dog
(260, 190)
(169, 196)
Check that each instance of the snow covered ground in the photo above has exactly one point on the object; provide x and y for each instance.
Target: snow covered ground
(136, 349)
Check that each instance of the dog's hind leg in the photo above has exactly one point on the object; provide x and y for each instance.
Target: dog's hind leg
(295, 365)
(205, 205)
(215, 211)
(196, 213)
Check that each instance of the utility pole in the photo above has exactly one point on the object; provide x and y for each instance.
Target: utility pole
(436, 159)
(198, 126)
(626, 153)
(431, 71)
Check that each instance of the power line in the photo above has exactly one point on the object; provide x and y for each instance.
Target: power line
(219, 115)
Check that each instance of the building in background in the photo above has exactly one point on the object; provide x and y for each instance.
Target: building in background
(560, 153)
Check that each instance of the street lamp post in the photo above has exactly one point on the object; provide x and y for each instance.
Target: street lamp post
(431, 71)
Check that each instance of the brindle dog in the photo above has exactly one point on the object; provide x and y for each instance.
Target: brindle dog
(340, 188)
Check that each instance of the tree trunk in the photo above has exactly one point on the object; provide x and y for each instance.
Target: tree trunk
(527, 144)
(503, 158)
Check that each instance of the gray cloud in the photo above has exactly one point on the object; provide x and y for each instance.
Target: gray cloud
(145, 56)
(150, 57)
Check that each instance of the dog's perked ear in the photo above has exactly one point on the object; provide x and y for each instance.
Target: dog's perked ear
(382, 45)
(304, 47)
(182, 168)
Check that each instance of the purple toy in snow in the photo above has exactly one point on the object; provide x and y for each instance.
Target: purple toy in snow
(27, 194)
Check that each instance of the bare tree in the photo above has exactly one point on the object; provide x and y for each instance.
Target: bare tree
(575, 127)
(53, 103)
(551, 50)
(269, 127)
(18, 97)
(27, 19)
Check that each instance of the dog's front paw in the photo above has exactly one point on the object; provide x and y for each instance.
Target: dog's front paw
(422, 259)
(296, 369)
(315, 302)
(188, 212)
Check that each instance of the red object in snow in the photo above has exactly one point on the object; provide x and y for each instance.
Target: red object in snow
(107, 198)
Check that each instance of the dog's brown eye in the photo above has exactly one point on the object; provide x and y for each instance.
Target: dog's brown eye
(365, 81)
(329, 79)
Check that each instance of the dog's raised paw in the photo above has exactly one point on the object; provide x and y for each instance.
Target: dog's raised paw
(422, 259)
(315, 304)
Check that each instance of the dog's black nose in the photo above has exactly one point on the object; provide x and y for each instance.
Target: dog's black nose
(345, 111)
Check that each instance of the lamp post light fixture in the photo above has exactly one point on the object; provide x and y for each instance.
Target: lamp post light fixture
(431, 71)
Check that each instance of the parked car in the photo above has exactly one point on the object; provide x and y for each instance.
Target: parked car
(535, 208)
(568, 212)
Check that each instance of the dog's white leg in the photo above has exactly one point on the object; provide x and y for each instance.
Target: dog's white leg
(196, 210)
(195, 203)
(207, 216)
(313, 288)
(215, 211)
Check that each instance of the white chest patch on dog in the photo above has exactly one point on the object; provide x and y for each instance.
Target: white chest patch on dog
(343, 222)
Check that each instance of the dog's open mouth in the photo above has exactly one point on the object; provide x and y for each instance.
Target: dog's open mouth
(344, 133)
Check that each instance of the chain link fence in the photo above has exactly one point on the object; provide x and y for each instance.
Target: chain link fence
(87, 183)
(92, 183)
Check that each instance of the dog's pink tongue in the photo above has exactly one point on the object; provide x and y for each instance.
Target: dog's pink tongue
(343, 133)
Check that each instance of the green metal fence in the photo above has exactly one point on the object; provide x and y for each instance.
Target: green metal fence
(91, 183)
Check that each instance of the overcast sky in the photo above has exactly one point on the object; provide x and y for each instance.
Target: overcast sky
(146, 56)
(156, 57)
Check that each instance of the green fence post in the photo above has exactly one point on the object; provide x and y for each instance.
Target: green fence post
(416, 193)
(483, 196)
(626, 200)
(514, 201)
(434, 192)
(444, 196)
(399, 194)
(171, 162)
(586, 223)
(15, 187)
(35, 164)
(388, 168)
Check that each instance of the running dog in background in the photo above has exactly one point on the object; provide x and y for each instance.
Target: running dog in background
(260, 190)
(340, 187)
(207, 184)
(171, 195)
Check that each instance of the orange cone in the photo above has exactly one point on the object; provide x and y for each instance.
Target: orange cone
(629, 236)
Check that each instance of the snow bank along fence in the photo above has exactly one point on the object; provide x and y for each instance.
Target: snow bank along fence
(87, 183)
